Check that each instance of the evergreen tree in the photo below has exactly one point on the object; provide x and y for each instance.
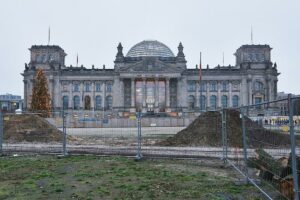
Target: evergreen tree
(40, 101)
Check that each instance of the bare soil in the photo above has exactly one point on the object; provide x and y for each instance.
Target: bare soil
(206, 131)
(29, 128)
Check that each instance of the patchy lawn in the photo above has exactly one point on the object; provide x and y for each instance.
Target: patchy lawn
(93, 177)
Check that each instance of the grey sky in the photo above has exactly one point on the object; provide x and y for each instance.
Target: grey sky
(93, 29)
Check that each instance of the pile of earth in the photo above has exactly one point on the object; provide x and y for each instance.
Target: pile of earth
(29, 128)
(206, 131)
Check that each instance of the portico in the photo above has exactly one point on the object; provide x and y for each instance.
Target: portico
(148, 94)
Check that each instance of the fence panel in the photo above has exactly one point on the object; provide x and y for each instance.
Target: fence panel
(100, 134)
(262, 149)
(188, 136)
(31, 133)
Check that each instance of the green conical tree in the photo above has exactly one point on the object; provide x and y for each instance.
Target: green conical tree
(40, 101)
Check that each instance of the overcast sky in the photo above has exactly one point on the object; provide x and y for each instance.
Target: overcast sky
(93, 29)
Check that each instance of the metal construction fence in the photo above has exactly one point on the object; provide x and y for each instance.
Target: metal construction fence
(264, 149)
(257, 141)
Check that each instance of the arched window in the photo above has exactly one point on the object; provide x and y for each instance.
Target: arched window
(109, 102)
(202, 102)
(87, 102)
(213, 101)
(258, 86)
(224, 101)
(235, 101)
(191, 101)
(98, 102)
(65, 102)
(76, 102)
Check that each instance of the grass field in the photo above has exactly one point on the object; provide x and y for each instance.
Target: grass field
(92, 177)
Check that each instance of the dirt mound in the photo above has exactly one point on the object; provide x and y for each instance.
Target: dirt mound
(30, 128)
(206, 131)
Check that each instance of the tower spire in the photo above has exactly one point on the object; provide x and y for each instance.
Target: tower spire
(251, 35)
(49, 35)
(223, 58)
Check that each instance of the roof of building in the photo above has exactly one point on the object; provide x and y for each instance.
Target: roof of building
(56, 47)
(149, 48)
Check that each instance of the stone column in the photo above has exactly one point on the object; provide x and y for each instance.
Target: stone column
(132, 93)
(144, 93)
(249, 83)
(71, 95)
(81, 95)
(244, 92)
(93, 96)
(230, 94)
(167, 92)
(156, 93)
(208, 94)
(219, 97)
(269, 90)
(30, 87)
(104, 94)
(197, 97)
(25, 95)
(121, 92)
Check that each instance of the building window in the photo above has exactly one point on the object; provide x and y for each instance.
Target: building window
(224, 86)
(202, 87)
(213, 101)
(87, 87)
(65, 102)
(224, 101)
(65, 87)
(98, 102)
(202, 102)
(191, 101)
(109, 87)
(213, 87)
(191, 86)
(76, 102)
(258, 86)
(109, 102)
(235, 101)
(98, 87)
(258, 100)
(87, 102)
(76, 87)
(235, 86)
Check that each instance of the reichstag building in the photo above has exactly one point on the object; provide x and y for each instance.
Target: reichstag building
(151, 78)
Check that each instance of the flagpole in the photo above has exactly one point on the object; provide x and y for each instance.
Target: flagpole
(200, 74)
(49, 36)
(77, 60)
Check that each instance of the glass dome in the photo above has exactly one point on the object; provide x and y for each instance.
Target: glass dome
(148, 48)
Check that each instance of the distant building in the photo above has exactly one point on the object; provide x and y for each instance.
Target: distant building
(283, 105)
(10, 103)
(150, 78)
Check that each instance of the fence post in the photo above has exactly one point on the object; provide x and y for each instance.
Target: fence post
(139, 137)
(224, 135)
(293, 148)
(64, 134)
(244, 143)
(1, 132)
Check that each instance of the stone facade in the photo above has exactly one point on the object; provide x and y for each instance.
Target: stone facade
(150, 78)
